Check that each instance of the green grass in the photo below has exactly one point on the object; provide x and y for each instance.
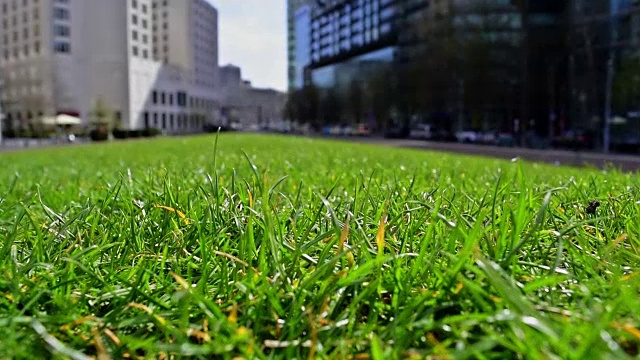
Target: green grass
(275, 247)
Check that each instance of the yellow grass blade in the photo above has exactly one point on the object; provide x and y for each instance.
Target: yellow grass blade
(170, 209)
(350, 259)
(381, 230)
(148, 310)
(250, 198)
(343, 236)
(233, 316)
(181, 281)
(628, 329)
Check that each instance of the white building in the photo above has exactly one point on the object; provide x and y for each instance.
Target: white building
(154, 62)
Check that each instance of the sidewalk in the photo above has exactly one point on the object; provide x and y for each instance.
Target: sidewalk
(559, 157)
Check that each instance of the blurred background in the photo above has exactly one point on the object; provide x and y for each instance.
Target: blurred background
(536, 73)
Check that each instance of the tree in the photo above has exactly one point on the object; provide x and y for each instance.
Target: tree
(626, 85)
(292, 106)
(331, 106)
(308, 105)
(101, 115)
(379, 96)
(355, 101)
(460, 61)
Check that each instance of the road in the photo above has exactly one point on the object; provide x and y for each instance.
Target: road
(630, 163)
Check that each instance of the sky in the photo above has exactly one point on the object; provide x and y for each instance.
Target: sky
(252, 35)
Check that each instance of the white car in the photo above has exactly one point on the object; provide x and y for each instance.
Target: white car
(468, 136)
(422, 132)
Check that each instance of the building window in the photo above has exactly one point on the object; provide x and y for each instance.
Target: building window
(145, 54)
(62, 47)
(145, 115)
(144, 23)
(134, 51)
(61, 13)
(134, 19)
(134, 4)
(145, 38)
(164, 121)
(154, 97)
(181, 97)
(144, 8)
(155, 119)
(170, 99)
(134, 35)
(162, 98)
(61, 30)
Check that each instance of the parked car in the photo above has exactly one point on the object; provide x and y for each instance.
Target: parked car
(488, 138)
(396, 132)
(578, 139)
(505, 139)
(347, 130)
(363, 130)
(421, 132)
(468, 136)
(438, 134)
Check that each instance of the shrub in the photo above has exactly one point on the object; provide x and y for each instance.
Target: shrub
(151, 132)
(99, 135)
(120, 134)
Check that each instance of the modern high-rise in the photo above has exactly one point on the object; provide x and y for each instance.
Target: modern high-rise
(302, 53)
(293, 7)
(350, 38)
(153, 62)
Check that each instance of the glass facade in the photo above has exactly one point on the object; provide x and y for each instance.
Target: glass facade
(292, 8)
(343, 29)
(302, 44)
(340, 75)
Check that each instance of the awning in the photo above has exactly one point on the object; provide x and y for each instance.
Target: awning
(61, 120)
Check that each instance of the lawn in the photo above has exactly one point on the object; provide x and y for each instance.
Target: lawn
(257, 246)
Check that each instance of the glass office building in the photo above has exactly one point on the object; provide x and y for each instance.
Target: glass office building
(351, 38)
(292, 43)
(302, 53)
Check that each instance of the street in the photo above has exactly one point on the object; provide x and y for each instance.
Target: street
(558, 157)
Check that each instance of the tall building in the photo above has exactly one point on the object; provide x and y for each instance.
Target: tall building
(349, 36)
(230, 77)
(302, 54)
(245, 105)
(153, 62)
(602, 30)
(292, 9)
